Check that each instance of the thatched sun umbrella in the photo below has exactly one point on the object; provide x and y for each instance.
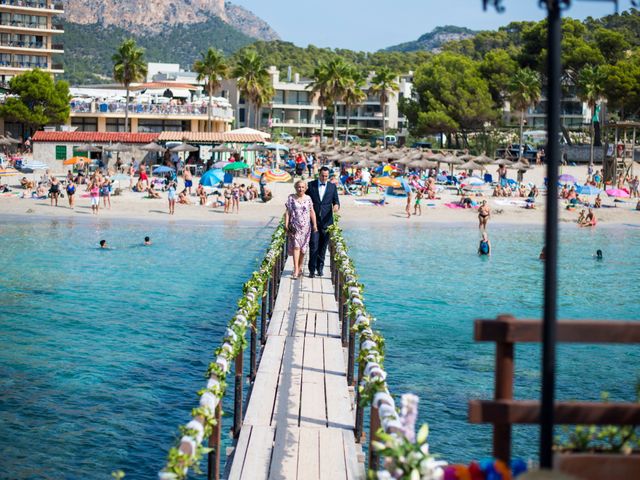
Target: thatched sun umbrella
(470, 165)
(503, 161)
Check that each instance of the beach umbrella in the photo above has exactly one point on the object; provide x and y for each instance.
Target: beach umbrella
(33, 165)
(473, 181)
(389, 168)
(212, 178)
(520, 165)
(416, 164)
(387, 182)
(235, 166)
(184, 147)
(87, 147)
(74, 160)
(588, 190)
(152, 147)
(278, 175)
(9, 141)
(117, 147)
(483, 159)
(503, 161)
(163, 169)
(617, 193)
(256, 173)
(223, 148)
(566, 178)
(8, 171)
(276, 146)
(120, 177)
(465, 157)
(469, 165)
(437, 157)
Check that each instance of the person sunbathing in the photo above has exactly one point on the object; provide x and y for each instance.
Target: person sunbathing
(26, 184)
(139, 187)
(590, 220)
(151, 192)
(202, 195)
(183, 199)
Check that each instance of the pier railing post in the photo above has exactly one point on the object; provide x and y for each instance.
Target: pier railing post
(237, 397)
(503, 391)
(213, 470)
(253, 349)
(343, 316)
(271, 292)
(374, 425)
(352, 349)
(359, 427)
(263, 318)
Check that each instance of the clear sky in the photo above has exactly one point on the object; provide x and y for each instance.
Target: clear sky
(370, 25)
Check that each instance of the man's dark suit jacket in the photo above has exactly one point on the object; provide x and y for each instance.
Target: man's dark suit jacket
(324, 208)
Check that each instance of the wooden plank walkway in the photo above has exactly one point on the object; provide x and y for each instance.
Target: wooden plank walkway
(299, 421)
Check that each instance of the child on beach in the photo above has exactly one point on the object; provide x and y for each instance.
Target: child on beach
(171, 196)
(417, 207)
(94, 193)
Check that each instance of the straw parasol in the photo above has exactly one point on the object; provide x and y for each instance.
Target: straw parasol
(483, 159)
(152, 147)
(406, 160)
(9, 140)
(470, 165)
(117, 147)
(184, 147)
(219, 148)
(503, 161)
(87, 147)
(255, 148)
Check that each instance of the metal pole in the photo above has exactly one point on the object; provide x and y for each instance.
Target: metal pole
(263, 318)
(554, 72)
(213, 470)
(237, 398)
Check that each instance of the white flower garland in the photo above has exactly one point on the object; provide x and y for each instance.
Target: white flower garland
(188, 451)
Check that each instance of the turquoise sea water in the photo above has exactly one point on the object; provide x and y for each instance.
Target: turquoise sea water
(426, 285)
(101, 352)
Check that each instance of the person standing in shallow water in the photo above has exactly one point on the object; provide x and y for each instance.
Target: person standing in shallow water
(299, 220)
(484, 248)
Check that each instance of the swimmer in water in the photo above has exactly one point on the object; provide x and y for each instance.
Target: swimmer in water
(147, 241)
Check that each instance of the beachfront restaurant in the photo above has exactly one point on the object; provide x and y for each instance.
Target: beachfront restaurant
(53, 148)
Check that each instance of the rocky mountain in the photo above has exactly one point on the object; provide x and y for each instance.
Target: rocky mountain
(433, 40)
(155, 16)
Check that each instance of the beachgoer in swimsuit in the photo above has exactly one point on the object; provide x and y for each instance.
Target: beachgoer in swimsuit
(105, 192)
(171, 195)
(408, 207)
(94, 192)
(71, 190)
(590, 220)
(235, 198)
(227, 199)
(188, 179)
(484, 248)
(484, 212)
(417, 207)
(54, 190)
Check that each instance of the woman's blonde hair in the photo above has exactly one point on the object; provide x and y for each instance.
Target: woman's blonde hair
(299, 182)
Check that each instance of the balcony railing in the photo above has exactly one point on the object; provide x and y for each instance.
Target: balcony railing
(34, 25)
(32, 4)
(38, 45)
(42, 66)
(153, 109)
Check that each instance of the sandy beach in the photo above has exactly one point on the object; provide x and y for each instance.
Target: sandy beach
(134, 206)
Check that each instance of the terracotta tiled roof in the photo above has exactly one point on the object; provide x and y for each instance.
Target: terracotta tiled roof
(209, 137)
(94, 137)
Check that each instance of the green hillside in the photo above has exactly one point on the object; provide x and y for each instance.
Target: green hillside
(89, 48)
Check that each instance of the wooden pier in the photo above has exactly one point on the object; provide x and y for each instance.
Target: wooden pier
(299, 422)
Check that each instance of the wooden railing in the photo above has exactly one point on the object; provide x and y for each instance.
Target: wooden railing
(207, 419)
(503, 411)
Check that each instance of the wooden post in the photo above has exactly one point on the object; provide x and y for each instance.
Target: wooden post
(263, 318)
(252, 352)
(343, 318)
(374, 425)
(359, 430)
(503, 391)
(237, 397)
(352, 348)
(213, 470)
(271, 293)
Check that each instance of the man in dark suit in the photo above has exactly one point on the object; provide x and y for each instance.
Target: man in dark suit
(324, 196)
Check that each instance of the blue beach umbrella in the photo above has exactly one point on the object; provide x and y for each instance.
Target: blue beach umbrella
(588, 190)
(162, 169)
(211, 178)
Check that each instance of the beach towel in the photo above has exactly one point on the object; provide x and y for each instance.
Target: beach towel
(455, 206)
(515, 203)
(366, 201)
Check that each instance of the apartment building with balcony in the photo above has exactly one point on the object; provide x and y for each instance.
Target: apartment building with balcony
(27, 36)
(295, 109)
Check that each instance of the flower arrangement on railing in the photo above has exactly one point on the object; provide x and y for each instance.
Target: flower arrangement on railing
(189, 450)
(406, 455)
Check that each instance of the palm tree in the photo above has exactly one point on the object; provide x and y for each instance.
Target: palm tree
(128, 67)
(384, 84)
(353, 95)
(338, 73)
(254, 81)
(319, 87)
(212, 68)
(524, 90)
(590, 85)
